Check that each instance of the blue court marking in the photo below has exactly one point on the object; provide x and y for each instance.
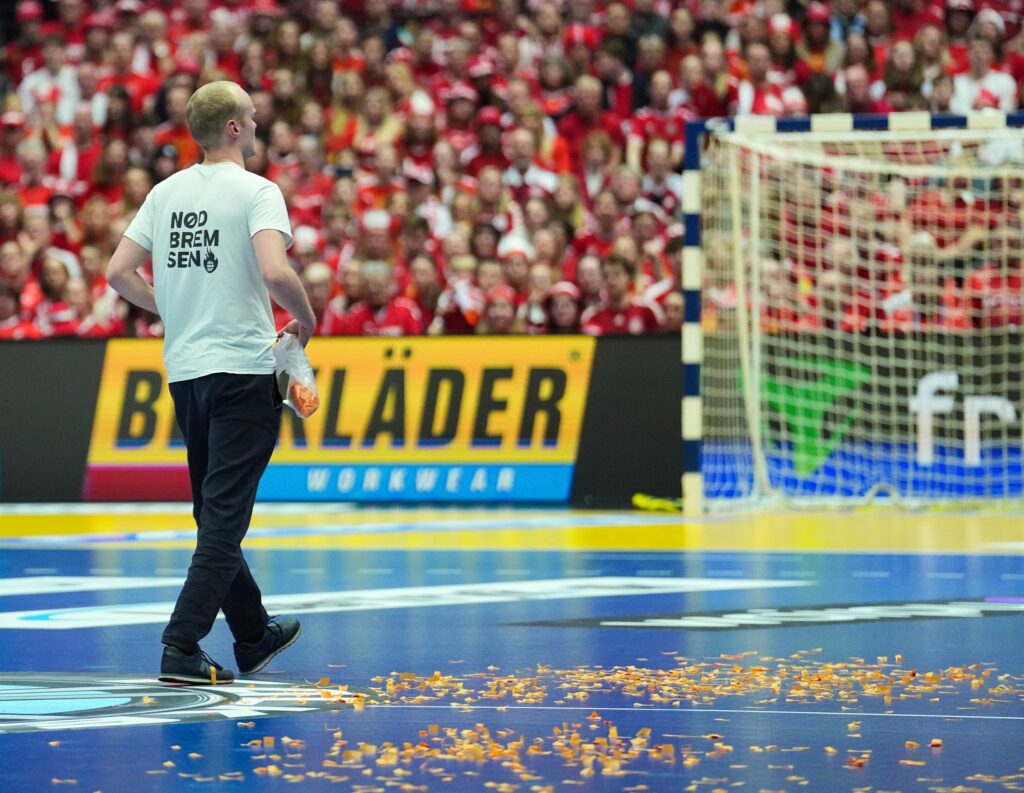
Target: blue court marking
(465, 640)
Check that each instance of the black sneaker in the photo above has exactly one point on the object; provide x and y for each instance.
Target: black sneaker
(195, 669)
(281, 632)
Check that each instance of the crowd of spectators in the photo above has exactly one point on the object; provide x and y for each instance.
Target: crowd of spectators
(450, 166)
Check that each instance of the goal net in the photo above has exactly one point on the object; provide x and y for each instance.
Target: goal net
(862, 307)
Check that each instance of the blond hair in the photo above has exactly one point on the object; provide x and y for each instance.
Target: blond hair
(209, 109)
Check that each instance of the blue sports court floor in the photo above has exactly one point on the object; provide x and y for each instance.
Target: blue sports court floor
(527, 650)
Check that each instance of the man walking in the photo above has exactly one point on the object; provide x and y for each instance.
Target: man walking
(218, 235)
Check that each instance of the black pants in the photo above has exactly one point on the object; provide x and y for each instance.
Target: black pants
(230, 424)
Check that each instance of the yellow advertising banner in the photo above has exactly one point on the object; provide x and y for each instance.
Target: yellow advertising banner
(511, 401)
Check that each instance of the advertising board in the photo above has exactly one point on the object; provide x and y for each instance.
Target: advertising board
(400, 420)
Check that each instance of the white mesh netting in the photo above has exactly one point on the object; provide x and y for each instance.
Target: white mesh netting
(862, 313)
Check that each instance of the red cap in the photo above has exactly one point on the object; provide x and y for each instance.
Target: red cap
(566, 289)
(479, 67)
(488, 115)
(13, 119)
(188, 65)
(817, 12)
(502, 292)
(29, 11)
(580, 35)
(461, 91)
(99, 19)
(266, 8)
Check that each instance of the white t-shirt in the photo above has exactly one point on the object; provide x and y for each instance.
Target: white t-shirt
(998, 86)
(215, 307)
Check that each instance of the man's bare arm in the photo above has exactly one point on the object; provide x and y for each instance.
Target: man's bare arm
(282, 282)
(124, 278)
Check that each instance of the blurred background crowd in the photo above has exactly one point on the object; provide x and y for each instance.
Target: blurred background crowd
(450, 166)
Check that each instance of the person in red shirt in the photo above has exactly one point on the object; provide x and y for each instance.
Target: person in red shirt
(106, 303)
(69, 27)
(959, 16)
(141, 87)
(858, 97)
(523, 178)
(16, 271)
(758, 96)
(461, 100)
(908, 16)
(598, 236)
(499, 312)
(657, 121)
(993, 293)
(532, 314)
(619, 313)
(579, 45)
(74, 162)
(53, 316)
(12, 127)
(878, 24)
(817, 49)
(378, 313)
(12, 216)
(993, 297)
(35, 188)
(563, 308)
(12, 325)
(174, 131)
(424, 287)
(718, 92)
(461, 303)
(375, 189)
(24, 54)
(488, 149)
(82, 318)
(312, 184)
(318, 281)
(586, 117)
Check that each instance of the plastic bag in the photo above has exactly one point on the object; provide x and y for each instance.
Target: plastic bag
(290, 360)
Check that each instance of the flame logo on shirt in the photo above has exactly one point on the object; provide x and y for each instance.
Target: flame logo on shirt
(210, 261)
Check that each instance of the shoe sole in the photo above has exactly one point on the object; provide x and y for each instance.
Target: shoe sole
(189, 680)
(269, 658)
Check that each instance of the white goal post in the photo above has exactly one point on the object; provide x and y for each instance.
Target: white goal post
(853, 289)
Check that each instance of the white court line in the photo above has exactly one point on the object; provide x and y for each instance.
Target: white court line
(110, 615)
(846, 714)
(48, 584)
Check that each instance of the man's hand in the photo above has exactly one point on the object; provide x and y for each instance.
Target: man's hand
(296, 329)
